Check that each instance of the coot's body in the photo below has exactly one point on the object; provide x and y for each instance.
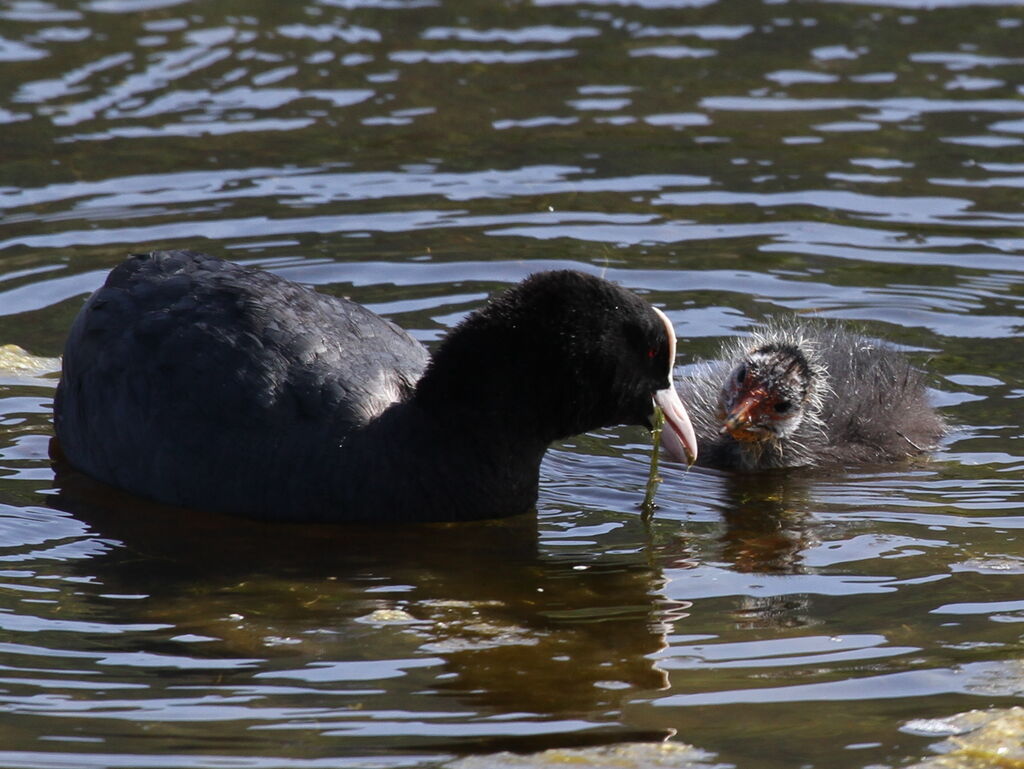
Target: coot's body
(802, 394)
(197, 382)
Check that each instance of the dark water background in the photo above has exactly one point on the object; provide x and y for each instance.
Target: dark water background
(730, 160)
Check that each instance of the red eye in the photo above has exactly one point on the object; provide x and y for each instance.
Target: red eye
(651, 352)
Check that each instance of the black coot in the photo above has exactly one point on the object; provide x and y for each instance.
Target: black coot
(800, 394)
(197, 382)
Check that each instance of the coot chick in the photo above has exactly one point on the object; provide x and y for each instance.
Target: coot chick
(799, 394)
(200, 383)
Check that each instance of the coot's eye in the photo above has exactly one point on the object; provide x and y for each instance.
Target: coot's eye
(741, 374)
(651, 352)
(782, 407)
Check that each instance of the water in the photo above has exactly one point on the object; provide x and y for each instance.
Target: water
(732, 161)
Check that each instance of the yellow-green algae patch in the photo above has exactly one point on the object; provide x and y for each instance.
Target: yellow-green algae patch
(983, 739)
(19, 362)
(629, 755)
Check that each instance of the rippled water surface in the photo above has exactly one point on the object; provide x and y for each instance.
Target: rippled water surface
(731, 161)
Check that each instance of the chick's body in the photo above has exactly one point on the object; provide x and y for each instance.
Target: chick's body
(799, 394)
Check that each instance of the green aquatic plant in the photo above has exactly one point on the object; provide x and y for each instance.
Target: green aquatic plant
(648, 506)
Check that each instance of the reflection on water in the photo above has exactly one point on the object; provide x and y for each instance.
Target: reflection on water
(731, 161)
(766, 518)
(467, 611)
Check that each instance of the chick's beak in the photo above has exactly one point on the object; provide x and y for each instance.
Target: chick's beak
(738, 422)
(678, 436)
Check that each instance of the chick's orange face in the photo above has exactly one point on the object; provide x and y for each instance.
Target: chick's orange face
(761, 399)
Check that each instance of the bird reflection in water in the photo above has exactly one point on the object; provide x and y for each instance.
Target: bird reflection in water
(491, 619)
(768, 525)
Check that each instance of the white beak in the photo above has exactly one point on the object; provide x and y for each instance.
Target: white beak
(677, 437)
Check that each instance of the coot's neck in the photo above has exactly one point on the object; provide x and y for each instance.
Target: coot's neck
(526, 370)
(453, 464)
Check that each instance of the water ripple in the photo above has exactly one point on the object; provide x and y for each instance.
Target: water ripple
(731, 162)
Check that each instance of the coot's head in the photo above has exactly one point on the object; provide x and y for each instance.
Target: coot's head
(560, 354)
(774, 387)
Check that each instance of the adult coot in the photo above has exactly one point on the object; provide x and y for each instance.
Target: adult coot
(201, 383)
(798, 394)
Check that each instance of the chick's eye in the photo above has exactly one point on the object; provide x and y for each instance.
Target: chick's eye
(782, 407)
(741, 374)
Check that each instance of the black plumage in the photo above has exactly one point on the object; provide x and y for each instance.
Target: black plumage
(201, 383)
(798, 393)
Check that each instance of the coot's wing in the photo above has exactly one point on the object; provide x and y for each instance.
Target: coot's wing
(189, 379)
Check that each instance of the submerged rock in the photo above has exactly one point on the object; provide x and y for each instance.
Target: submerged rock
(977, 739)
(628, 755)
